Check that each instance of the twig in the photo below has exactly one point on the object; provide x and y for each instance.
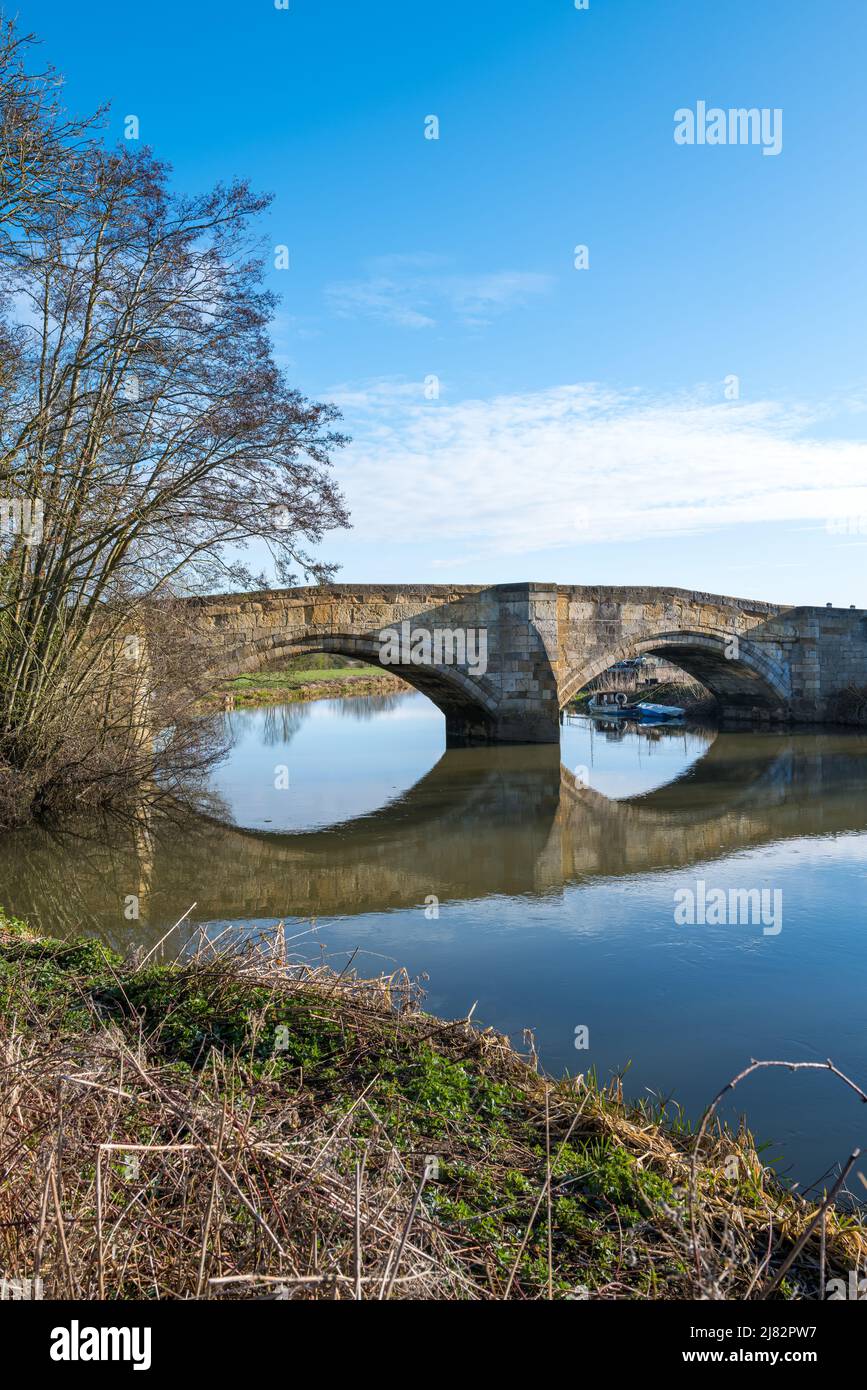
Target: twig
(163, 938)
(796, 1249)
(711, 1111)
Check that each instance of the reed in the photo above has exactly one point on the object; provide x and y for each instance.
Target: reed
(239, 1125)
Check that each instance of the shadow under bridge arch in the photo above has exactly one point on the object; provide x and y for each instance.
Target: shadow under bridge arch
(744, 680)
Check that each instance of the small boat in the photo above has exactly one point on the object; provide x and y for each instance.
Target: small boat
(615, 704)
(661, 713)
(609, 702)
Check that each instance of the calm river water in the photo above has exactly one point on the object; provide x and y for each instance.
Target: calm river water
(538, 883)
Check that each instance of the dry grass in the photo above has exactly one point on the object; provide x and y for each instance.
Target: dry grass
(160, 1138)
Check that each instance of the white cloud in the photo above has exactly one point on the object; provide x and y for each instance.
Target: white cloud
(546, 469)
(418, 291)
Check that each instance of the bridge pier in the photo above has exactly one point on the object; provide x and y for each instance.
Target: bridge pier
(465, 730)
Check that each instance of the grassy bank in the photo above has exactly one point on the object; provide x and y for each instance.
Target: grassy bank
(303, 683)
(236, 1126)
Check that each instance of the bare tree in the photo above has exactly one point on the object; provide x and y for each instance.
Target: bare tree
(40, 142)
(145, 421)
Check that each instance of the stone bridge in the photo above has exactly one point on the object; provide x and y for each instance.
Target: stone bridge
(541, 643)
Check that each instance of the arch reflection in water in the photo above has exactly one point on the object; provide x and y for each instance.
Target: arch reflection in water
(477, 822)
(332, 769)
(556, 897)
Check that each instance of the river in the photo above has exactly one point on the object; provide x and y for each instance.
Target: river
(538, 885)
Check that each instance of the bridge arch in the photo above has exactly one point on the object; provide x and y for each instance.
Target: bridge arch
(468, 703)
(742, 683)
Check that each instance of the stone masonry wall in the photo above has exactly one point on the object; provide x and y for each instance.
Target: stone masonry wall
(546, 641)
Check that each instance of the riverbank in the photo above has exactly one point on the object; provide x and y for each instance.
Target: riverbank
(284, 687)
(240, 1126)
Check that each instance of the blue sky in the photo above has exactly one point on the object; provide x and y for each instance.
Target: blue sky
(583, 432)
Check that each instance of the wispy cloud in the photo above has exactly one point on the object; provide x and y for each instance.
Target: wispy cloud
(419, 291)
(547, 469)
